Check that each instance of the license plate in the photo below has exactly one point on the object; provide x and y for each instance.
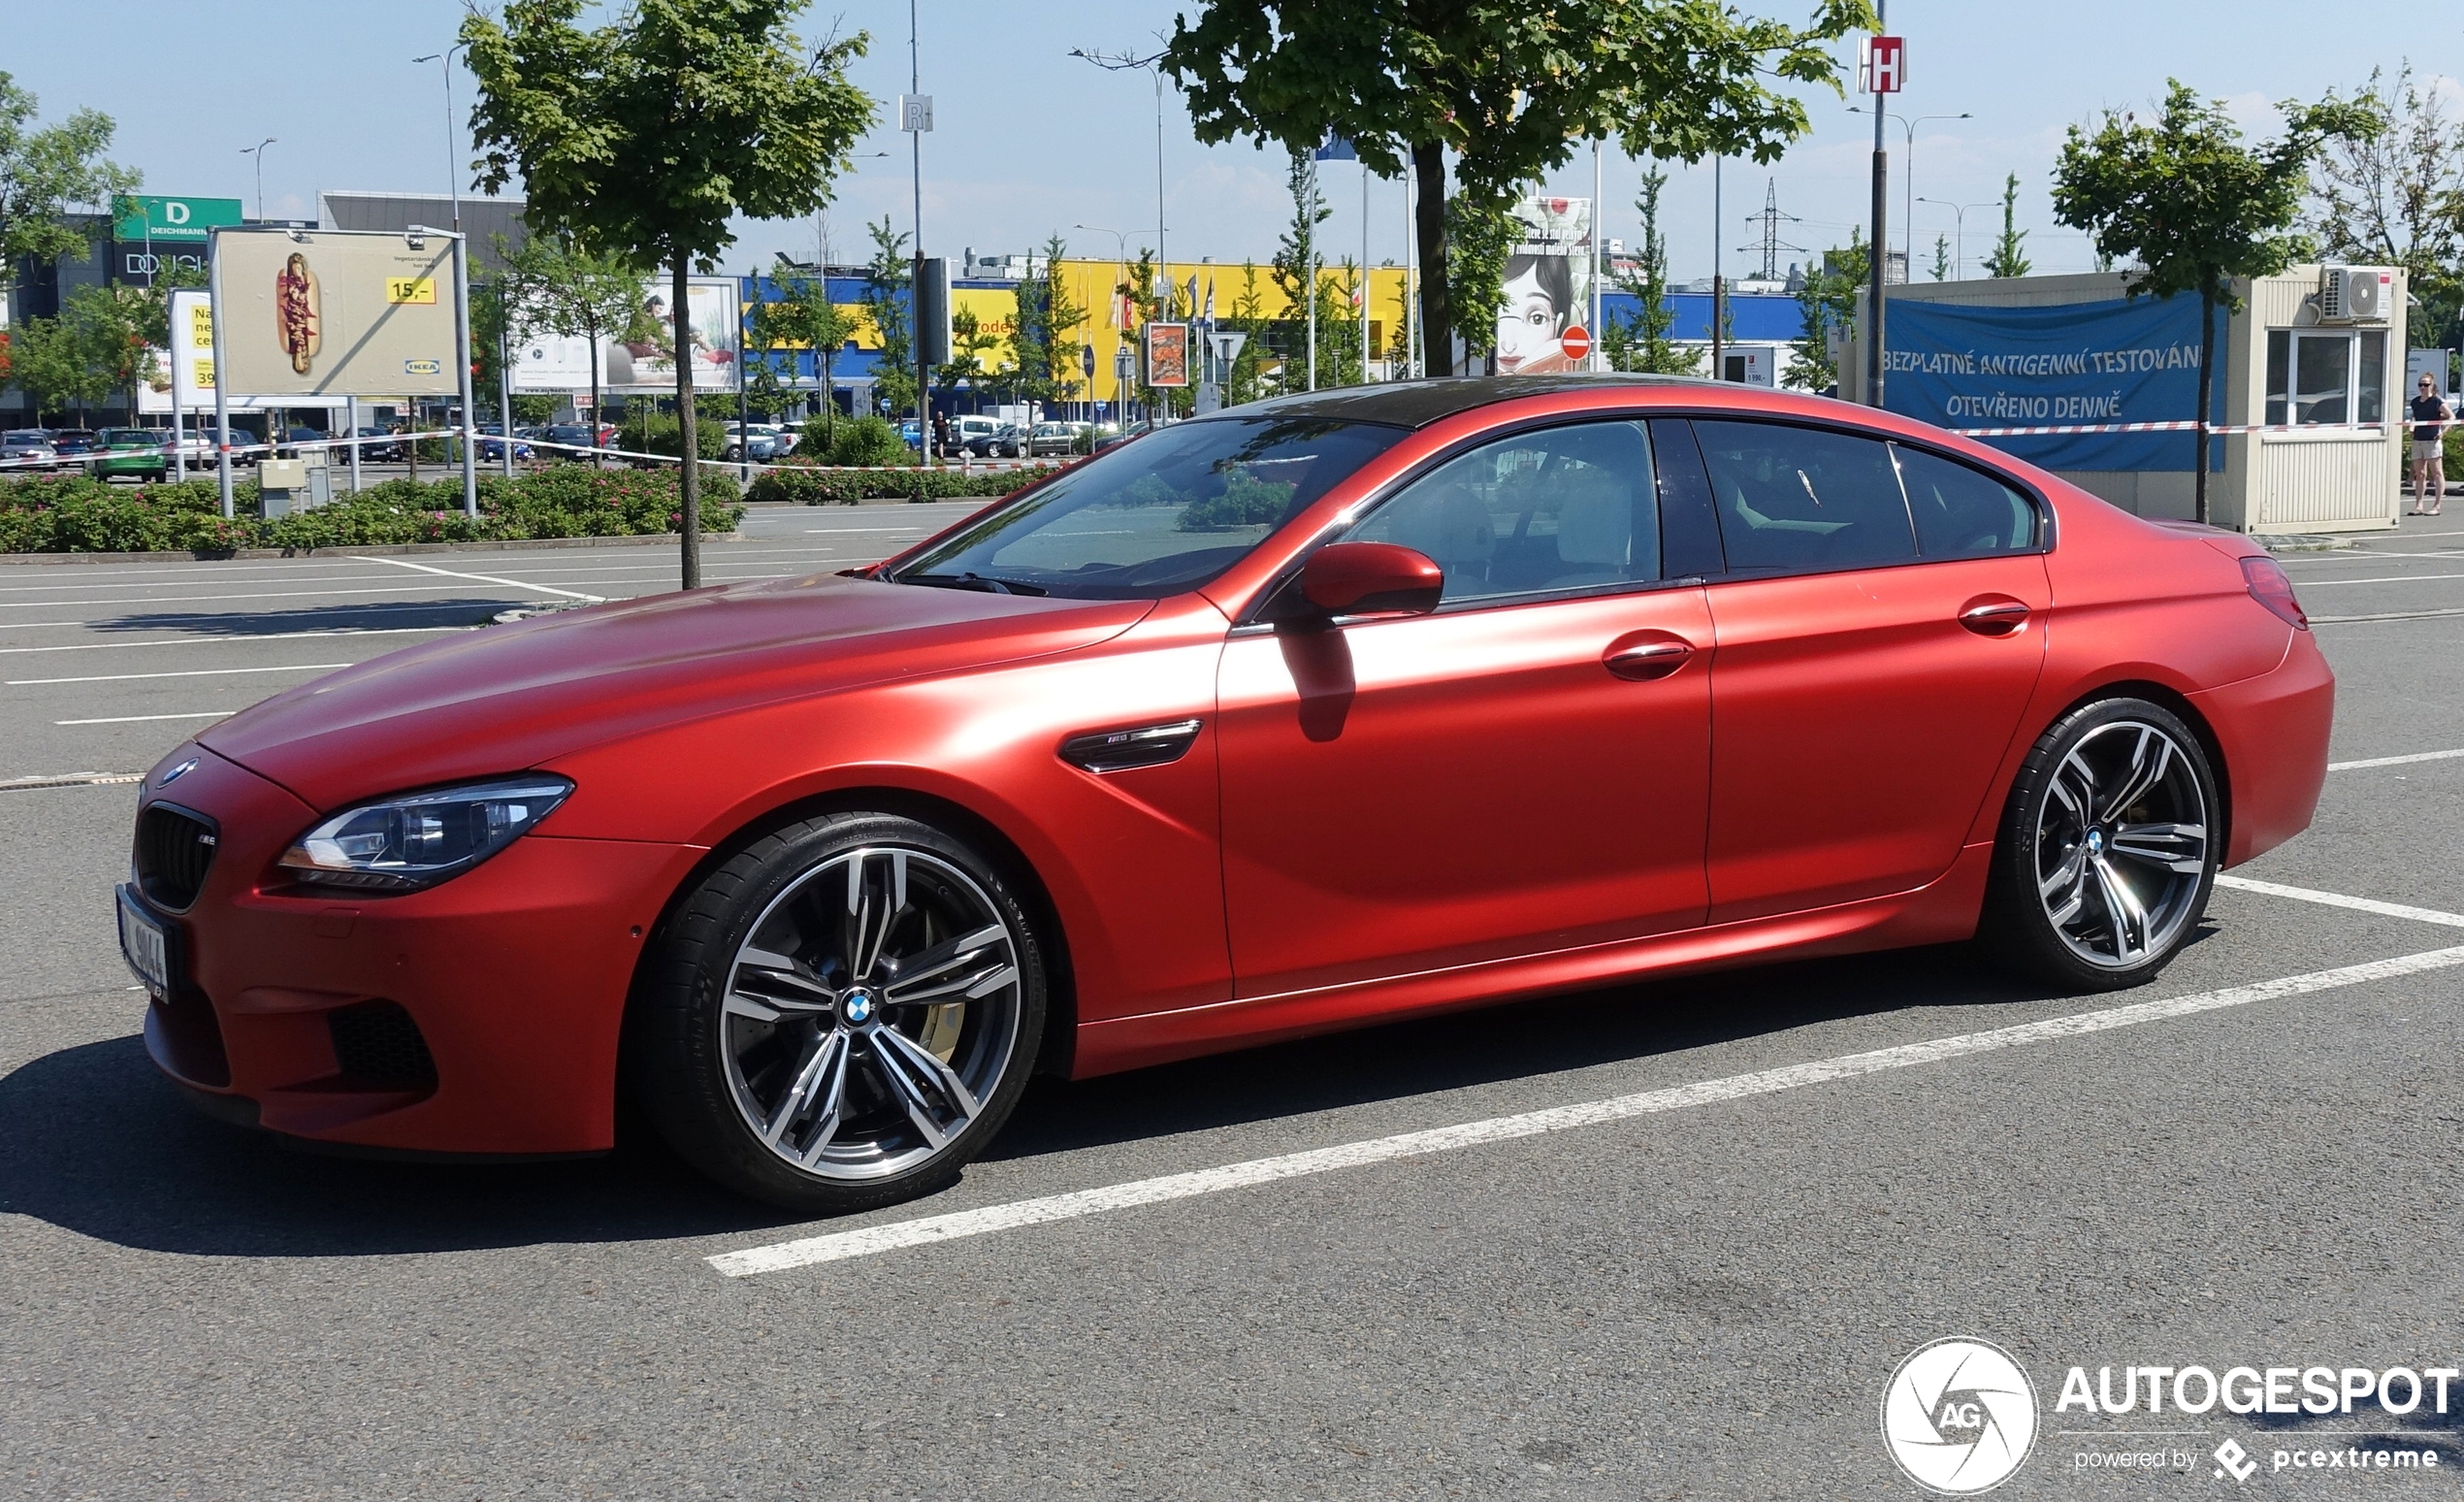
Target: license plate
(144, 943)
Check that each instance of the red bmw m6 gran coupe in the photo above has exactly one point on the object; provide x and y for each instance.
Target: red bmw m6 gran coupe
(1300, 717)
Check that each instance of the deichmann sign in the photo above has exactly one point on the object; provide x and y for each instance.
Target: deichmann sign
(136, 221)
(319, 314)
(1960, 366)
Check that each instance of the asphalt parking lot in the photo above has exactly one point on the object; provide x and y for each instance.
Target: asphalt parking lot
(1756, 1194)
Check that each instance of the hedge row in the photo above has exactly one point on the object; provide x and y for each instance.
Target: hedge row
(807, 486)
(78, 515)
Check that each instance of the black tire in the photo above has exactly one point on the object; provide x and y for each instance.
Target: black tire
(2106, 901)
(816, 1107)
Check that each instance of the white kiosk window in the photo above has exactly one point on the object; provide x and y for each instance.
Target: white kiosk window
(2326, 376)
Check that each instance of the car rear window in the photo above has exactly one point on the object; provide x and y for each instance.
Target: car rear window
(1793, 499)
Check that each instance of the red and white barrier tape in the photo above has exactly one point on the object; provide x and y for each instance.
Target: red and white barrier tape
(2190, 425)
(203, 456)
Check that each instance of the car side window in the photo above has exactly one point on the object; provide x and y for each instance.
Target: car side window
(1567, 508)
(1963, 513)
(1795, 499)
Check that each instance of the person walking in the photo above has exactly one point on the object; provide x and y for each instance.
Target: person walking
(2429, 448)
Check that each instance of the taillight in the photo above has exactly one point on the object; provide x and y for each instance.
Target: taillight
(2269, 587)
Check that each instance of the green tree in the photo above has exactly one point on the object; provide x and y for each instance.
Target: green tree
(1941, 267)
(969, 343)
(2009, 258)
(2397, 198)
(643, 139)
(2194, 207)
(1044, 334)
(803, 315)
(46, 171)
(1829, 299)
(888, 275)
(93, 347)
(1245, 382)
(1642, 342)
(1510, 88)
(552, 286)
(1296, 258)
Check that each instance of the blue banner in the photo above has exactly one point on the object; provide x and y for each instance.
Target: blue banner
(1961, 366)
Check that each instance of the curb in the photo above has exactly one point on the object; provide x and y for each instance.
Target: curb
(376, 549)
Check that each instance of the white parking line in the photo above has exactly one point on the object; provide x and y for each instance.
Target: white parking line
(2393, 579)
(2339, 900)
(2396, 761)
(872, 1239)
(271, 635)
(277, 593)
(484, 578)
(141, 719)
(2391, 615)
(193, 672)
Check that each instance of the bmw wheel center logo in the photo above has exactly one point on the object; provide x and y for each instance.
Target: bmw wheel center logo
(1959, 1416)
(859, 1007)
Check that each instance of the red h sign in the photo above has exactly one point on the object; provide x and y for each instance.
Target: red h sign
(1881, 65)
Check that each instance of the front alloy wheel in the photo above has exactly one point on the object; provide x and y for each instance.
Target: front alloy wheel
(2109, 847)
(850, 1010)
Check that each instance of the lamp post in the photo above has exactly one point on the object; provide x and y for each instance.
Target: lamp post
(1121, 258)
(453, 172)
(1124, 62)
(258, 151)
(1959, 222)
(1908, 129)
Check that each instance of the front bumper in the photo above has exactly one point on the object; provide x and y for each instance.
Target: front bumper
(479, 1017)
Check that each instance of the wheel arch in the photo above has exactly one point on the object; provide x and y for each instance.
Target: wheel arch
(2163, 695)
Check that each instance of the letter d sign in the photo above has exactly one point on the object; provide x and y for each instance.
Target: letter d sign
(1881, 65)
(174, 211)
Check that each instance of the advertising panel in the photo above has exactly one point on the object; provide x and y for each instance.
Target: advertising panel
(1547, 286)
(141, 219)
(2070, 363)
(188, 375)
(1167, 354)
(642, 358)
(323, 313)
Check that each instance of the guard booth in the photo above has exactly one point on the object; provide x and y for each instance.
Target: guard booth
(2318, 352)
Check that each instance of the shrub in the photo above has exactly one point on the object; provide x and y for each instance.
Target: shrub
(2451, 455)
(806, 484)
(85, 515)
(660, 433)
(870, 441)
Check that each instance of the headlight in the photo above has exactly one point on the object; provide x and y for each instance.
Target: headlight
(418, 840)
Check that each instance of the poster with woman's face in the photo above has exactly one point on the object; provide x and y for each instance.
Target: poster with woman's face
(1547, 285)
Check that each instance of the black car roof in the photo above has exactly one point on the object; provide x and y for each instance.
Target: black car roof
(1417, 404)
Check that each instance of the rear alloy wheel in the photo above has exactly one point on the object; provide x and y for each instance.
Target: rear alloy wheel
(842, 1015)
(2108, 848)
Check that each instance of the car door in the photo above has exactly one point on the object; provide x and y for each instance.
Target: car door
(1522, 771)
(1881, 627)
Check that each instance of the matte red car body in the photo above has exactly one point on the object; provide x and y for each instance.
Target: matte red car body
(1399, 815)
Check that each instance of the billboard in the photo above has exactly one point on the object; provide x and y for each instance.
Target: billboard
(324, 313)
(1547, 285)
(2070, 363)
(187, 376)
(1167, 354)
(642, 358)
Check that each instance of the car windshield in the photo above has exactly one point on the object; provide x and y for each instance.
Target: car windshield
(1158, 516)
(131, 435)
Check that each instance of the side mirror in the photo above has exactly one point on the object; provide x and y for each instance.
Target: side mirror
(1364, 578)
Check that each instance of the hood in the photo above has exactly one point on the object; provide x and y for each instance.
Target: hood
(511, 697)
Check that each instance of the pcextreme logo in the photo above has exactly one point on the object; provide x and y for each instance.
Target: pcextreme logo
(1959, 1416)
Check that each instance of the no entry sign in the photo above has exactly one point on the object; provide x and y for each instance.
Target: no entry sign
(1575, 341)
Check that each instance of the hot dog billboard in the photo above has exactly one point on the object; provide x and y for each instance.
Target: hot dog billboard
(324, 313)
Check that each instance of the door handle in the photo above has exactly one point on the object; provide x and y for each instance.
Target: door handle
(1651, 660)
(1994, 618)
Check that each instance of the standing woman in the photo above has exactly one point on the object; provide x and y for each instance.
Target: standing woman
(2429, 448)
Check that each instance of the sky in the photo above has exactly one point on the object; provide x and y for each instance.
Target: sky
(1030, 142)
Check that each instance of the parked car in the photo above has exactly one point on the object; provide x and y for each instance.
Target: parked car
(377, 445)
(76, 443)
(491, 444)
(1060, 437)
(1324, 710)
(142, 453)
(746, 441)
(967, 431)
(910, 435)
(294, 442)
(27, 448)
(561, 440)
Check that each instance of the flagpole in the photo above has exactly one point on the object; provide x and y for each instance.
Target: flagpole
(1364, 273)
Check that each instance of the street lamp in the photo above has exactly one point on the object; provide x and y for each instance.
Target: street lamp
(1959, 221)
(1910, 126)
(453, 172)
(1121, 63)
(258, 151)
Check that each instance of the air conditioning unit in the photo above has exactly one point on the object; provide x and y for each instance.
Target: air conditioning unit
(2355, 294)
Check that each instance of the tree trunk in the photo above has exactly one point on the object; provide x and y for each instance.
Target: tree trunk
(2207, 376)
(1437, 318)
(690, 451)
